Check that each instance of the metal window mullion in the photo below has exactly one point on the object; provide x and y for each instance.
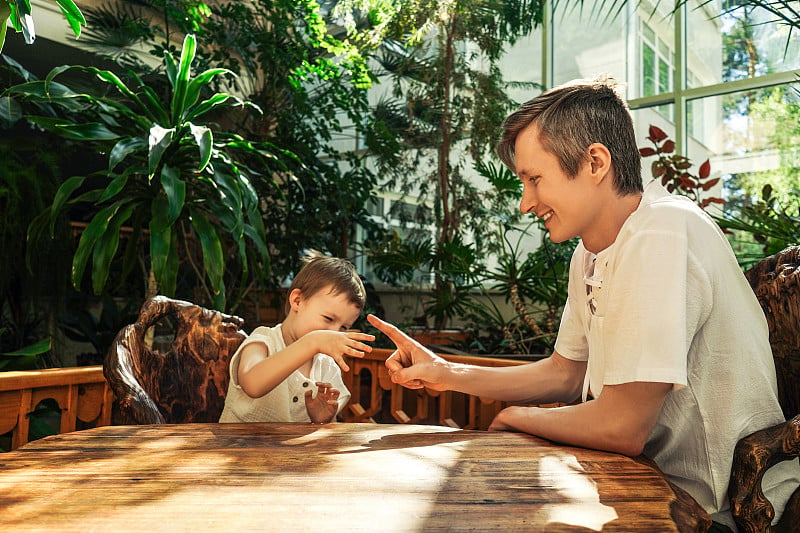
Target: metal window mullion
(548, 48)
(679, 83)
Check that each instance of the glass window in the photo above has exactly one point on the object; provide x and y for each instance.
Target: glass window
(739, 43)
(522, 67)
(643, 118)
(757, 140)
(657, 58)
(588, 43)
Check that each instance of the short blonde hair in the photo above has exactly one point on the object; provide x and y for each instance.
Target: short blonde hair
(569, 119)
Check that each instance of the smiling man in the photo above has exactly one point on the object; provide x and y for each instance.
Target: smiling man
(662, 340)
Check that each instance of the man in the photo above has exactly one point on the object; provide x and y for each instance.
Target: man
(661, 337)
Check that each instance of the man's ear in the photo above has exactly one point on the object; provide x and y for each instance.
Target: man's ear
(599, 160)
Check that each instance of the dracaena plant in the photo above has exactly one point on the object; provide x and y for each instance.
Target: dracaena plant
(170, 170)
(20, 14)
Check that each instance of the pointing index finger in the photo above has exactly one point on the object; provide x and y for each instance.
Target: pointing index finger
(391, 331)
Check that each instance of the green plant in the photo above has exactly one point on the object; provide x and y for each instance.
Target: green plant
(446, 106)
(169, 169)
(444, 111)
(25, 358)
(19, 13)
(534, 283)
(454, 263)
(99, 330)
(771, 224)
(310, 80)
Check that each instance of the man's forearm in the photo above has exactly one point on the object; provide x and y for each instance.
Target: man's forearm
(546, 381)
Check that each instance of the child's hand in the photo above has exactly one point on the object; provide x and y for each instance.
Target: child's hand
(322, 408)
(340, 344)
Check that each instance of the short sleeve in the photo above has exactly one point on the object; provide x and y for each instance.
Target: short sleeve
(648, 310)
(571, 341)
(258, 335)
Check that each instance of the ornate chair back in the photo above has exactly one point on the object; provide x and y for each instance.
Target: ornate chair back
(185, 383)
(776, 283)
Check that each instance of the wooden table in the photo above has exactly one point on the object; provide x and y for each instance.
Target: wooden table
(335, 477)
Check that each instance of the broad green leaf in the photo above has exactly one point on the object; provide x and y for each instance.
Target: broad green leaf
(63, 194)
(205, 106)
(113, 188)
(109, 77)
(258, 236)
(205, 142)
(26, 20)
(37, 348)
(164, 257)
(5, 12)
(73, 15)
(175, 189)
(171, 68)
(219, 299)
(97, 226)
(10, 111)
(106, 248)
(87, 131)
(213, 259)
(182, 79)
(156, 107)
(123, 148)
(158, 142)
(14, 17)
(160, 242)
(201, 80)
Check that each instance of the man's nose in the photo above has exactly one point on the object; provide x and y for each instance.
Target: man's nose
(528, 202)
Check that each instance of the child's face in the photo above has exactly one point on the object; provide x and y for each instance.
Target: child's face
(323, 310)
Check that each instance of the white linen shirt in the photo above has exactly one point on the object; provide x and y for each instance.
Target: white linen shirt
(286, 402)
(669, 303)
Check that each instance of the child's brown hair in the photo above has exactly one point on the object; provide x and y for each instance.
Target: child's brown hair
(320, 271)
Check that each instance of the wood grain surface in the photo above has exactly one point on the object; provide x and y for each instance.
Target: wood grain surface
(335, 477)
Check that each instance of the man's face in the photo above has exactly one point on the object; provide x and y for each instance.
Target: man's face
(567, 205)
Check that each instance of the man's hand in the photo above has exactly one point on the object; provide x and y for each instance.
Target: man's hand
(339, 344)
(412, 365)
(323, 407)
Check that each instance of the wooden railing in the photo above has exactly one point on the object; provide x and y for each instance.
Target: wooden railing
(374, 398)
(82, 395)
(85, 399)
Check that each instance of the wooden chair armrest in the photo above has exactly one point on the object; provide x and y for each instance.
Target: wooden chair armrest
(752, 457)
(132, 368)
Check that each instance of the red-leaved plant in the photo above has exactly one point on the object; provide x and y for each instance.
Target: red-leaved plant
(674, 170)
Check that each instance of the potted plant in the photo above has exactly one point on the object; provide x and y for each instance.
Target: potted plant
(172, 175)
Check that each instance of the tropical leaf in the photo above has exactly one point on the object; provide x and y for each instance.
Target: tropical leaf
(205, 143)
(62, 195)
(96, 228)
(106, 248)
(180, 86)
(175, 191)
(88, 131)
(213, 259)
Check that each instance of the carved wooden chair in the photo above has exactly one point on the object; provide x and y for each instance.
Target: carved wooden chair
(776, 282)
(186, 383)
